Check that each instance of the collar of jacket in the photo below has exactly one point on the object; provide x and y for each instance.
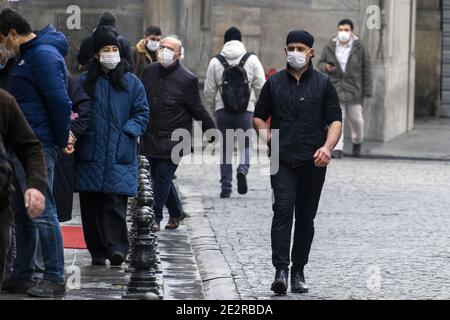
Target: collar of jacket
(164, 72)
(305, 75)
(142, 49)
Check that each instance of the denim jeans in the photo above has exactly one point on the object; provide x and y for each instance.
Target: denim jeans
(47, 225)
(229, 121)
(162, 172)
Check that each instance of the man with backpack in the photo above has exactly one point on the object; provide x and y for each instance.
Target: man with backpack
(233, 83)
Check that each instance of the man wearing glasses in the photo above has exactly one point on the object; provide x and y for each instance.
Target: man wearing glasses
(304, 108)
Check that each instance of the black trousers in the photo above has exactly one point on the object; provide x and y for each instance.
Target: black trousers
(296, 189)
(5, 239)
(104, 223)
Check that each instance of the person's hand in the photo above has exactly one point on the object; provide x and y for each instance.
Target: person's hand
(330, 68)
(322, 157)
(70, 149)
(34, 202)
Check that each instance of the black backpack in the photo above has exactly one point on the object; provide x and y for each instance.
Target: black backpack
(235, 89)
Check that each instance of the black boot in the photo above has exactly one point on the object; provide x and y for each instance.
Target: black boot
(242, 183)
(357, 150)
(298, 284)
(280, 284)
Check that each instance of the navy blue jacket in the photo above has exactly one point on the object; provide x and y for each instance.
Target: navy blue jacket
(106, 156)
(39, 84)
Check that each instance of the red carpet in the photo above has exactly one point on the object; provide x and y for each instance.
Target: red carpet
(73, 237)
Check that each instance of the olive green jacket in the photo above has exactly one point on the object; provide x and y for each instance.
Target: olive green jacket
(356, 82)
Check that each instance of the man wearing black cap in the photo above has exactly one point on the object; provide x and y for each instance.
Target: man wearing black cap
(247, 75)
(305, 112)
(86, 52)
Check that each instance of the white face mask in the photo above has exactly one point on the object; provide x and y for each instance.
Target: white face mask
(297, 60)
(110, 60)
(344, 36)
(152, 45)
(165, 57)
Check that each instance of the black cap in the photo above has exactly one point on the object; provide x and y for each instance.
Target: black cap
(107, 19)
(300, 36)
(232, 34)
(103, 37)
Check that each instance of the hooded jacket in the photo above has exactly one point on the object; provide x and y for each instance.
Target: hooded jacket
(356, 82)
(233, 51)
(39, 84)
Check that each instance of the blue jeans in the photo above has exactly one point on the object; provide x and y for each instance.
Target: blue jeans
(229, 121)
(47, 225)
(162, 172)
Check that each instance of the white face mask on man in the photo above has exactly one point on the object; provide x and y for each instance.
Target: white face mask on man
(344, 36)
(152, 45)
(110, 60)
(166, 57)
(297, 60)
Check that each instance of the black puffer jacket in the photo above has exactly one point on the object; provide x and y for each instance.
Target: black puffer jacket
(301, 111)
(174, 99)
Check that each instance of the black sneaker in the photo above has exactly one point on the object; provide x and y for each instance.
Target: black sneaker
(48, 289)
(14, 286)
(242, 183)
(225, 195)
(357, 150)
(117, 259)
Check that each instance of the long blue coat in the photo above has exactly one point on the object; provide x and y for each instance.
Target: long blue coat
(106, 157)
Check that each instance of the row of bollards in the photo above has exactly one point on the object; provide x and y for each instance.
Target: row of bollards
(144, 255)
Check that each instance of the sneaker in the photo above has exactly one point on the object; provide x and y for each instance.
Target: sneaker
(225, 195)
(242, 183)
(48, 289)
(116, 259)
(357, 150)
(17, 286)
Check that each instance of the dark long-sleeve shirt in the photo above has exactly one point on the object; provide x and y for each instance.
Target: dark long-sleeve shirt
(301, 111)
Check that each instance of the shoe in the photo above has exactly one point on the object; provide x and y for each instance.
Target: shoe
(298, 284)
(116, 259)
(225, 195)
(156, 227)
(357, 150)
(242, 183)
(17, 286)
(98, 262)
(48, 289)
(280, 284)
(337, 154)
(173, 224)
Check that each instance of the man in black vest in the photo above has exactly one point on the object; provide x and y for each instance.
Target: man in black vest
(304, 109)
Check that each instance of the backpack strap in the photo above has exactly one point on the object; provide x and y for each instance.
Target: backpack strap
(223, 61)
(245, 58)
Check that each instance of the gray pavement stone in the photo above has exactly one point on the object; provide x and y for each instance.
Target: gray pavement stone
(382, 230)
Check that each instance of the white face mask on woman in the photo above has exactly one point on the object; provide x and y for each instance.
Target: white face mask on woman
(110, 60)
(165, 57)
(297, 60)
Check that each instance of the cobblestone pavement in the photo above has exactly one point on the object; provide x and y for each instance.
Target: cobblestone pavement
(382, 230)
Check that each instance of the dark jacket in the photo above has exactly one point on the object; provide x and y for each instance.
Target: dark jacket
(5, 178)
(19, 137)
(174, 96)
(39, 84)
(356, 83)
(5, 74)
(301, 111)
(86, 51)
(106, 157)
(64, 179)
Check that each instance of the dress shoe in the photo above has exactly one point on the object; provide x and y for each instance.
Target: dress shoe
(173, 224)
(116, 259)
(280, 284)
(156, 227)
(17, 286)
(225, 195)
(98, 262)
(298, 284)
(242, 183)
(48, 289)
(337, 154)
(357, 150)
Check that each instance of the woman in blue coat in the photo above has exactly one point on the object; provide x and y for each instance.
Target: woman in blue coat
(106, 156)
